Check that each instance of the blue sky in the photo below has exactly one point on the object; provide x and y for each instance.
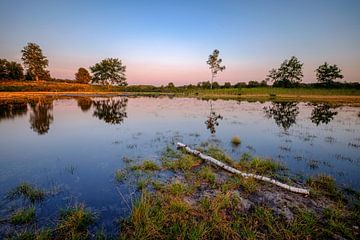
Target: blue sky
(163, 41)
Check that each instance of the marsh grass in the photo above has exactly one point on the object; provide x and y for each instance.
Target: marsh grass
(220, 155)
(27, 192)
(146, 165)
(184, 163)
(260, 165)
(23, 216)
(74, 223)
(120, 175)
(207, 174)
(323, 185)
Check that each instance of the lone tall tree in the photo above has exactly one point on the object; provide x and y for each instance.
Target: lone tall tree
(82, 76)
(34, 61)
(288, 74)
(109, 71)
(326, 73)
(214, 64)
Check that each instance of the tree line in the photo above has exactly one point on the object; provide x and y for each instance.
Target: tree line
(111, 71)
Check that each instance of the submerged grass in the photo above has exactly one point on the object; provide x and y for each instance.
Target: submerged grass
(28, 192)
(23, 216)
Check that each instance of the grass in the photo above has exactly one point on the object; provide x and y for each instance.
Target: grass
(74, 223)
(344, 95)
(184, 163)
(220, 155)
(207, 174)
(259, 165)
(28, 192)
(236, 141)
(323, 185)
(120, 175)
(23, 216)
(146, 165)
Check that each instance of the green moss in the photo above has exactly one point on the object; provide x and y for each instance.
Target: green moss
(23, 216)
(27, 191)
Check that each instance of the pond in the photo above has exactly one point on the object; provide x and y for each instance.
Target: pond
(72, 146)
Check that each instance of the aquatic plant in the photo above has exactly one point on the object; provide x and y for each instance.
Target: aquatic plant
(23, 216)
(74, 223)
(28, 192)
(236, 141)
(120, 175)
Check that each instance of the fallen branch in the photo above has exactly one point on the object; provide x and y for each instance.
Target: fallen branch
(235, 171)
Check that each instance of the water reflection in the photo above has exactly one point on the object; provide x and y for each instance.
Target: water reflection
(212, 120)
(284, 113)
(41, 116)
(322, 114)
(84, 103)
(111, 111)
(12, 109)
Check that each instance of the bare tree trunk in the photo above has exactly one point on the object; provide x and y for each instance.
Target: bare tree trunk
(36, 78)
(235, 171)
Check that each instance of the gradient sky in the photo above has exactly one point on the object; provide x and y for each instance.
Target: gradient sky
(163, 41)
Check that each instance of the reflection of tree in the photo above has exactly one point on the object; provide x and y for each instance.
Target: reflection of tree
(284, 113)
(322, 114)
(212, 120)
(41, 116)
(112, 111)
(10, 110)
(84, 103)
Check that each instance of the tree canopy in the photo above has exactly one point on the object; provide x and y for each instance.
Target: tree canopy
(109, 71)
(214, 63)
(326, 73)
(82, 76)
(35, 61)
(288, 74)
(11, 70)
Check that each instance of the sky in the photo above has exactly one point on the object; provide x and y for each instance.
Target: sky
(170, 40)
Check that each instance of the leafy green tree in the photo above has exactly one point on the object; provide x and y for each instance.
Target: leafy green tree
(15, 71)
(227, 85)
(214, 63)
(288, 74)
(3, 69)
(109, 71)
(82, 76)
(326, 73)
(170, 85)
(35, 61)
(10, 70)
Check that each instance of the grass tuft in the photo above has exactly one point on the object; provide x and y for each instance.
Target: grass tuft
(323, 185)
(74, 223)
(236, 141)
(23, 216)
(28, 192)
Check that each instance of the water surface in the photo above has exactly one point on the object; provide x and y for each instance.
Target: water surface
(73, 146)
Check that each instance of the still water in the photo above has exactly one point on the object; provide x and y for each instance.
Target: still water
(72, 146)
